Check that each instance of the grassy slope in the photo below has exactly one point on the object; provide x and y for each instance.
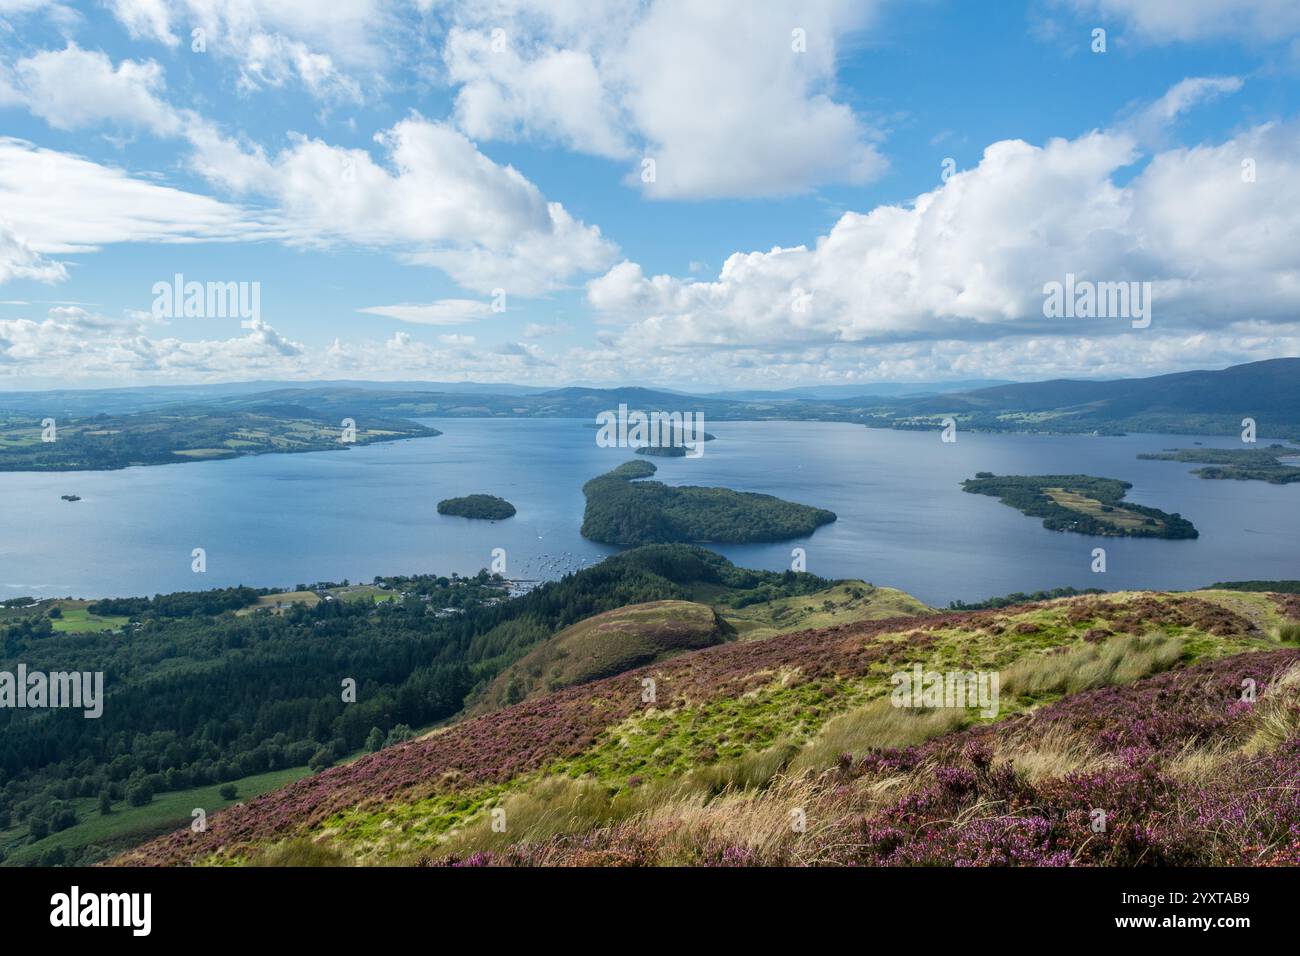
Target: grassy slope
(604, 645)
(845, 603)
(594, 755)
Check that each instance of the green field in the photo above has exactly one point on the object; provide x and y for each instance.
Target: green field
(127, 825)
(1119, 518)
(74, 616)
(77, 619)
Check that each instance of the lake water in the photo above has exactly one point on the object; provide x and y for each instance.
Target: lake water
(280, 520)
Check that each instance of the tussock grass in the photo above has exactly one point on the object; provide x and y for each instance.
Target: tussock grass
(1120, 660)
(760, 822)
(300, 852)
(1277, 715)
(873, 726)
(559, 805)
(1053, 753)
(1198, 763)
(748, 772)
(1289, 633)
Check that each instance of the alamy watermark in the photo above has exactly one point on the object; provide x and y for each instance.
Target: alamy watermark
(179, 299)
(36, 689)
(636, 429)
(967, 689)
(132, 911)
(1085, 299)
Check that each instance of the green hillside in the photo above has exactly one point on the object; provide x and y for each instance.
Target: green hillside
(607, 644)
(1129, 701)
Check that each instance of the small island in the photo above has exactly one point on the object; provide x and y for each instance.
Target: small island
(485, 507)
(70, 497)
(679, 448)
(1237, 464)
(1082, 504)
(625, 511)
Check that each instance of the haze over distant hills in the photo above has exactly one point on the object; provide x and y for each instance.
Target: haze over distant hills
(1199, 402)
(836, 392)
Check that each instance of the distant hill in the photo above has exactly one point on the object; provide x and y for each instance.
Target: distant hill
(605, 645)
(1198, 402)
(837, 393)
(1201, 402)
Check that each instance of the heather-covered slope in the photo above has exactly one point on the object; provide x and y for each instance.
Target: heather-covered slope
(738, 737)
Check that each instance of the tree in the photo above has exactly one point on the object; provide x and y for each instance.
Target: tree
(398, 734)
(105, 803)
(139, 795)
(228, 791)
(322, 758)
(374, 740)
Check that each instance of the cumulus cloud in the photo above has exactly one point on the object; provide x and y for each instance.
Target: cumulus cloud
(74, 88)
(19, 261)
(72, 345)
(728, 98)
(273, 42)
(968, 261)
(439, 202)
(553, 94)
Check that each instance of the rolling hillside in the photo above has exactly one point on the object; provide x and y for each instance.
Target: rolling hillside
(604, 645)
(1132, 704)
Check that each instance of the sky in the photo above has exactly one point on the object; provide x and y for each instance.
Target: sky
(720, 194)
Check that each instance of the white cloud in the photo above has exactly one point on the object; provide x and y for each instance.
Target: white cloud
(16, 7)
(968, 260)
(146, 19)
(1165, 21)
(274, 42)
(59, 204)
(715, 93)
(19, 261)
(442, 312)
(1190, 92)
(555, 94)
(439, 202)
(1013, 357)
(74, 88)
(536, 330)
(74, 346)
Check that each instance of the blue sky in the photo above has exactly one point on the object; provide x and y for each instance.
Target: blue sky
(387, 172)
